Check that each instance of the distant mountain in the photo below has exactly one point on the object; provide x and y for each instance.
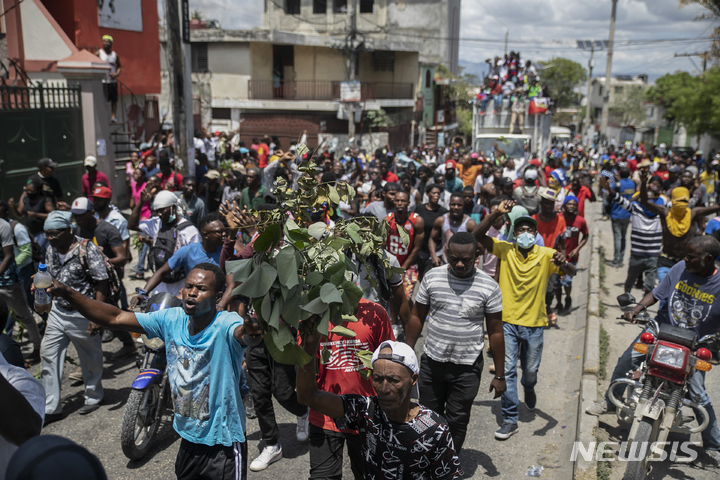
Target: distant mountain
(477, 68)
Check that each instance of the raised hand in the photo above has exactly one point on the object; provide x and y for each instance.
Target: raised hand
(506, 206)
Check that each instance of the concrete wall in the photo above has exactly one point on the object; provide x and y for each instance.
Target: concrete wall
(40, 39)
(261, 59)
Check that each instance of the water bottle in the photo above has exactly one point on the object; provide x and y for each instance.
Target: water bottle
(42, 281)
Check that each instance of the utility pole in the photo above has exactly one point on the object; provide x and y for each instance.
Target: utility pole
(587, 98)
(608, 73)
(703, 55)
(507, 30)
(179, 68)
(353, 72)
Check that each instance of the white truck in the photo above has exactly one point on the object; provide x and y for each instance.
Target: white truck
(495, 127)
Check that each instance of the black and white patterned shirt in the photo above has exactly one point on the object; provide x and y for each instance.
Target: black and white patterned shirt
(70, 272)
(419, 449)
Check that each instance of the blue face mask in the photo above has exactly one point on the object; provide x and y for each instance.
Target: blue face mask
(525, 240)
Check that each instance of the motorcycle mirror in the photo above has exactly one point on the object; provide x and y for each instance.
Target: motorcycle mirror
(626, 299)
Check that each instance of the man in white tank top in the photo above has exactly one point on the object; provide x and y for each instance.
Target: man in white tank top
(107, 54)
(446, 226)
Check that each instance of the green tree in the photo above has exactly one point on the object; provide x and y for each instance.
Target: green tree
(631, 111)
(460, 91)
(690, 101)
(562, 76)
(713, 7)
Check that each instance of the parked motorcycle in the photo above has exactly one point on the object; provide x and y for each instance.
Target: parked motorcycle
(150, 393)
(656, 392)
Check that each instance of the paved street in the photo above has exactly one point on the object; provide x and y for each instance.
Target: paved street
(622, 334)
(545, 436)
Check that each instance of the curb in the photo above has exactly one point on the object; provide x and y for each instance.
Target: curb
(588, 424)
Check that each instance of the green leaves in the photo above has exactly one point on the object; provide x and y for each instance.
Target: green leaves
(241, 268)
(287, 267)
(315, 307)
(269, 238)
(258, 283)
(314, 278)
(344, 331)
(403, 236)
(317, 230)
(291, 353)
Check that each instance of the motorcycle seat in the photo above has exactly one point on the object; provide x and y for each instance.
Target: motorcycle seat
(681, 336)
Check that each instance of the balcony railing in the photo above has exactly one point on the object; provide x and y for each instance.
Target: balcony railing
(324, 90)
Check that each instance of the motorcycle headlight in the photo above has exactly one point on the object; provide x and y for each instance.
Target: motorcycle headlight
(668, 356)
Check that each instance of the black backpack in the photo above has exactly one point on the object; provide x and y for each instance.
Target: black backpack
(530, 201)
(163, 248)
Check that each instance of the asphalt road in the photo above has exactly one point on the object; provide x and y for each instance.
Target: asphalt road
(545, 437)
(621, 334)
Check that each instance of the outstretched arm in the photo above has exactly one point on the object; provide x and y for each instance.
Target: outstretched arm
(307, 392)
(97, 312)
(645, 202)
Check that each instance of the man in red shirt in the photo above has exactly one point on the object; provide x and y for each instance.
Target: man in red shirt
(575, 237)
(340, 374)
(550, 225)
(582, 191)
(387, 175)
(414, 225)
(169, 179)
(263, 152)
(92, 176)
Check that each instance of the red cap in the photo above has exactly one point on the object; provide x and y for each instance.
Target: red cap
(535, 162)
(102, 192)
(613, 157)
(217, 134)
(450, 164)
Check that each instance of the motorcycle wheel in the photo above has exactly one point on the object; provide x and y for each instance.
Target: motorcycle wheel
(638, 469)
(140, 422)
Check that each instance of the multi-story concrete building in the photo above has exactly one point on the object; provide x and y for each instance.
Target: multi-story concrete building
(285, 78)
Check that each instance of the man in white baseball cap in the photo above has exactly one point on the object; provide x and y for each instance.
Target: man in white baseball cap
(92, 176)
(389, 424)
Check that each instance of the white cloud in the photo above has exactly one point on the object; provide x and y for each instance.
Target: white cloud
(534, 24)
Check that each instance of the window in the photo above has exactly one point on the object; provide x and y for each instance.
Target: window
(618, 90)
(292, 7)
(383, 61)
(221, 113)
(428, 79)
(320, 6)
(366, 6)
(339, 6)
(199, 60)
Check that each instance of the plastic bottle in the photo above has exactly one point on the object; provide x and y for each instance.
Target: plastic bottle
(42, 281)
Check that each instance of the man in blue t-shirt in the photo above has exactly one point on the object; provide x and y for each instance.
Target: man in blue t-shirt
(620, 217)
(213, 230)
(204, 351)
(689, 291)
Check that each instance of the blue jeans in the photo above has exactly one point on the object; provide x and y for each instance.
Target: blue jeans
(497, 101)
(140, 270)
(620, 228)
(630, 359)
(526, 342)
(661, 273)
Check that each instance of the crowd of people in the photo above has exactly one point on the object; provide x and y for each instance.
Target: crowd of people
(493, 245)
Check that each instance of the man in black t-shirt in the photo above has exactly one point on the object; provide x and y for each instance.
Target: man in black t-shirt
(400, 439)
(108, 239)
(51, 185)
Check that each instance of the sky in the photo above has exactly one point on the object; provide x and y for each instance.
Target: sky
(541, 29)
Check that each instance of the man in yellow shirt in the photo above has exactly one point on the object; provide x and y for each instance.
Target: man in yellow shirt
(525, 270)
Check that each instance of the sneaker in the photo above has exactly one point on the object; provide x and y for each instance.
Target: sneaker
(34, 357)
(302, 427)
(249, 407)
(76, 375)
(125, 351)
(597, 408)
(86, 409)
(137, 276)
(482, 112)
(568, 305)
(52, 417)
(530, 399)
(270, 454)
(506, 431)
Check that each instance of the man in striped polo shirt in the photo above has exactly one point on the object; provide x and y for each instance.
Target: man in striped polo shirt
(456, 298)
(645, 239)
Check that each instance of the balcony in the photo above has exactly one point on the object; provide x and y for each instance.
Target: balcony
(325, 90)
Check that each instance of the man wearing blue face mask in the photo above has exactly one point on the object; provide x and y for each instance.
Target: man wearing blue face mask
(525, 269)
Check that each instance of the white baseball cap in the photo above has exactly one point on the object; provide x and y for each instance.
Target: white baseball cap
(90, 161)
(531, 174)
(402, 353)
(81, 205)
(164, 199)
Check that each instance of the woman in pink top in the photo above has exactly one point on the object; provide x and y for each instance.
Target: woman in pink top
(138, 185)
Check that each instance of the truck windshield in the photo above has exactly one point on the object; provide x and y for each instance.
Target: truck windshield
(513, 147)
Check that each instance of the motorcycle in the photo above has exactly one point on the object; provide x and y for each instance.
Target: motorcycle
(150, 394)
(655, 393)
